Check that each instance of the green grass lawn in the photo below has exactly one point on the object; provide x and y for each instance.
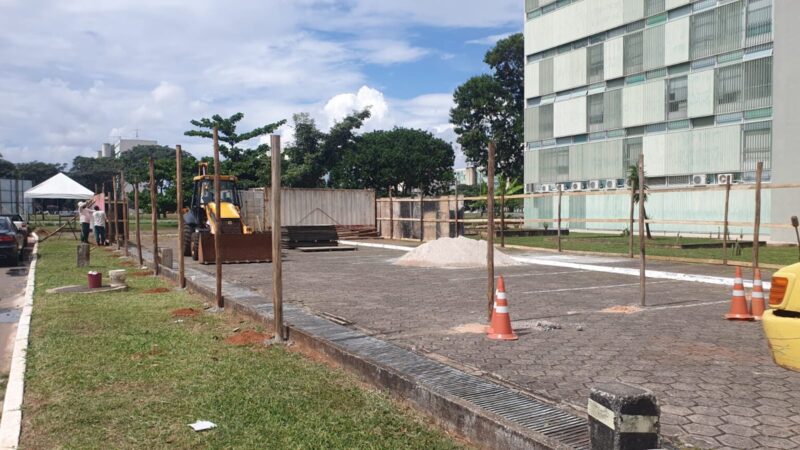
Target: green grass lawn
(118, 371)
(594, 242)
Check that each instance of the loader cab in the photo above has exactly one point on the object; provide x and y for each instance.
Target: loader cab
(204, 192)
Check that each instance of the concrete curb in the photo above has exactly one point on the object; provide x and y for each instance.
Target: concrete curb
(11, 422)
(591, 267)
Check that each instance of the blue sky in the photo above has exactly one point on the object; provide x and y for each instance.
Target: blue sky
(79, 73)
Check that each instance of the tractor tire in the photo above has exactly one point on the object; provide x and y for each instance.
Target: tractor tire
(195, 246)
(188, 232)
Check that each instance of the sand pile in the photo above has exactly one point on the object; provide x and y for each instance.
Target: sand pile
(453, 253)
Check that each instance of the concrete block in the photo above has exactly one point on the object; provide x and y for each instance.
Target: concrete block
(166, 257)
(623, 417)
(84, 255)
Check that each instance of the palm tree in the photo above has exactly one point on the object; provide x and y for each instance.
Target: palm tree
(633, 180)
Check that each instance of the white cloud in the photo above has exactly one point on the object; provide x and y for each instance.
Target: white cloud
(79, 73)
(489, 40)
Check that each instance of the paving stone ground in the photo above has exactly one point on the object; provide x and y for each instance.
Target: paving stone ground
(715, 379)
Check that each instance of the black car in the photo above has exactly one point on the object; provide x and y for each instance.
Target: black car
(20, 223)
(12, 242)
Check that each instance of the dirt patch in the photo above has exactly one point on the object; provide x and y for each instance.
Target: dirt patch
(248, 337)
(127, 264)
(141, 274)
(621, 309)
(185, 312)
(160, 290)
(474, 328)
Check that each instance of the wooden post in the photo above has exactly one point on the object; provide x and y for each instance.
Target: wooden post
(642, 262)
(630, 224)
(457, 209)
(114, 211)
(503, 215)
(558, 224)
(757, 222)
(125, 224)
(725, 223)
(181, 225)
(375, 209)
(217, 223)
(391, 214)
(795, 224)
(138, 224)
(421, 217)
(154, 214)
(490, 231)
(277, 263)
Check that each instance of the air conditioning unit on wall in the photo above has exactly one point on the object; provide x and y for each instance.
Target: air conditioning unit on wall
(610, 184)
(562, 187)
(595, 185)
(725, 178)
(577, 186)
(699, 179)
(627, 183)
(545, 188)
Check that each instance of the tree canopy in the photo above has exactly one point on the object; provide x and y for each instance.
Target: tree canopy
(38, 171)
(400, 157)
(250, 165)
(315, 154)
(92, 172)
(490, 107)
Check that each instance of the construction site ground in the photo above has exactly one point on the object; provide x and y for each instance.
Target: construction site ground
(715, 379)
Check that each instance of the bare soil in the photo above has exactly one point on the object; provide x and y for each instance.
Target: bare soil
(248, 337)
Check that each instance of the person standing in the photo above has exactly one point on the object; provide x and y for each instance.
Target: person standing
(99, 220)
(85, 213)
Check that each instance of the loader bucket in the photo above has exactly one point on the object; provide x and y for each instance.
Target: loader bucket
(237, 248)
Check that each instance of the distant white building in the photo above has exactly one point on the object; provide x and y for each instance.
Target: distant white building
(470, 176)
(123, 145)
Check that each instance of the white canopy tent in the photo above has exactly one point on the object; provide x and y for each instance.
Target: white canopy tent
(59, 186)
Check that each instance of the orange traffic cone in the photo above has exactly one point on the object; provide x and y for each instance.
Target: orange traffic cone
(739, 310)
(757, 304)
(501, 321)
(499, 292)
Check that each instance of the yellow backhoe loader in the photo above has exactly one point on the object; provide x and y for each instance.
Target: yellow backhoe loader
(239, 243)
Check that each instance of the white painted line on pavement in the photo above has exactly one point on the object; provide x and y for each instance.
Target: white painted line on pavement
(592, 268)
(586, 288)
(11, 422)
(530, 274)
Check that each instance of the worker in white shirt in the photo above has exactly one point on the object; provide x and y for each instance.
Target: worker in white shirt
(99, 220)
(85, 213)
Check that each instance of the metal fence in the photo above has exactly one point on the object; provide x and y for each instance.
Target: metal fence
(344, 207)
(12, 199)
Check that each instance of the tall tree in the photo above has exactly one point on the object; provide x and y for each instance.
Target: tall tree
(250, 165)
(490, 107)
(92, 172)
(633, 180)
(315, 154)
(401, 157)
(37, 171)
(136, 165)
(7, 169)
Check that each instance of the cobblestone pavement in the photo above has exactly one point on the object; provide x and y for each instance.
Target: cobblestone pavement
(715, 379)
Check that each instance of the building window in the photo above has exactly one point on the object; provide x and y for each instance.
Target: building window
(630, 154)
(728, 87)
(612, 109)
(729, 27)
(677, 95)
(594, 106)
(594, 63)
(530, 5)
(546, 121)
(652, 7)
(759, 21)
(546, 76)
(758, 83)
(757, 145)
(701, 35)
(633, 53)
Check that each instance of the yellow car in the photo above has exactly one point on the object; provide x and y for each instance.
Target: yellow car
(782, 321)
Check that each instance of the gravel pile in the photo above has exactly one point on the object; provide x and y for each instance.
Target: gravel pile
(453, 253)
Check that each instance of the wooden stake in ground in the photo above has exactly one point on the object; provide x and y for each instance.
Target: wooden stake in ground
(457, 209)
(558, 230)
(114, 212)
(795, 224)
(391, 215)
(421, 215)
(725, 223)
(503, 215)
(642, 260)
(490, 231)
(125, 224)
(181, 225)
(217, 223)
(138, 224)
(277, 263)
(630, 224)
(757, 222)
(154, 215)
